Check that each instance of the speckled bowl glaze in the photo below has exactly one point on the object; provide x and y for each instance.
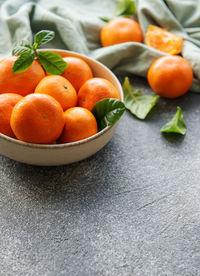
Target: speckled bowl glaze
(60, 154)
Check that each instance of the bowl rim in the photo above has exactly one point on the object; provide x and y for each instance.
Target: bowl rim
(71, 144)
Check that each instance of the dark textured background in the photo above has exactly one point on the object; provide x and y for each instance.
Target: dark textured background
(131, 209)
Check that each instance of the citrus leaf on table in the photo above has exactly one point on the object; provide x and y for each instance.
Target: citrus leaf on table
(125, 8)
(23, 61)
(107, 112)
(176, 124)
(52, 62)
(43, 37)
(137, 102)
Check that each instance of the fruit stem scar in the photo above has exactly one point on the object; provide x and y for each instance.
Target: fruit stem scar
(44, 116)
(65, 86)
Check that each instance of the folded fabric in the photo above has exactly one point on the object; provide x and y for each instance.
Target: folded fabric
(77, 27)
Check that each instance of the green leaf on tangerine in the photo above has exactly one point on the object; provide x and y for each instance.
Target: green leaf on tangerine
(21, 47)
(23, 62)
(107, 112)
(52, 62)
(43, 37)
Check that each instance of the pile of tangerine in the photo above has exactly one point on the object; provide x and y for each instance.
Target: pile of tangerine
(39, 108)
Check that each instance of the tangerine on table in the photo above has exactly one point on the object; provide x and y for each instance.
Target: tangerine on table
(170, 76)
(59, 88)
(121, 30)
(7, 103)
(22, 83)
(77, 71)
(94, 90)
(160, 39)
(80, 123)
(37, 118)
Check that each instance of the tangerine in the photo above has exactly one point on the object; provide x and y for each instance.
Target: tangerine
(59, 88)
(22, 83)
(121, 30)
(37, 118)
(162, 40)
(77, 71)
(170, 76)
(94, 90)
(7, 103)
(80, 123)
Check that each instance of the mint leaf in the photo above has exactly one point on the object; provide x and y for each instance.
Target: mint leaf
(176, 124)
(107, 112)
(136, 102)
(52, 62)
(43, 37)
(23, 62)
(125, 8)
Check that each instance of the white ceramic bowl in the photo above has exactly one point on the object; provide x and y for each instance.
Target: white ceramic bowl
(59, 154)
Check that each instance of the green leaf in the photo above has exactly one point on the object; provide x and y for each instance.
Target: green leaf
(18, 50)
(136, 102)
(52, 62)
(43, 37)
(176, 124)
(107, 112)
(21, 47)
(105, 19)
(23, 62)
(125, 8)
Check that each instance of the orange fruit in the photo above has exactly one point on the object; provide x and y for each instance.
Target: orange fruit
(60, 89)
(20, 83)
(94, 90)
(7, 102)
(162, 40)
(37, 118)
(170, 76)
(77, 71)
(121, 30)
(80, 123)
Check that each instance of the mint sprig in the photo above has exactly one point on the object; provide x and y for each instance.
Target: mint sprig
(124, 8)
(51, 62)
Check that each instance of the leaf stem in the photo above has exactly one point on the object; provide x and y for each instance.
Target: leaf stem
(35, 53)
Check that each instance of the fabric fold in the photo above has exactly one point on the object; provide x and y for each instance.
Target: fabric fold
(77, 27)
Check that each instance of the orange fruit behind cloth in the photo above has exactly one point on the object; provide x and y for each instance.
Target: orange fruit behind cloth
(120, 30)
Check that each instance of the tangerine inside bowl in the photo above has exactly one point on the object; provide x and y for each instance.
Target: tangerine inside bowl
(61, 154)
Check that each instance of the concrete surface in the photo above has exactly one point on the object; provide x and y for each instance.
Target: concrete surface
(131, 209)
